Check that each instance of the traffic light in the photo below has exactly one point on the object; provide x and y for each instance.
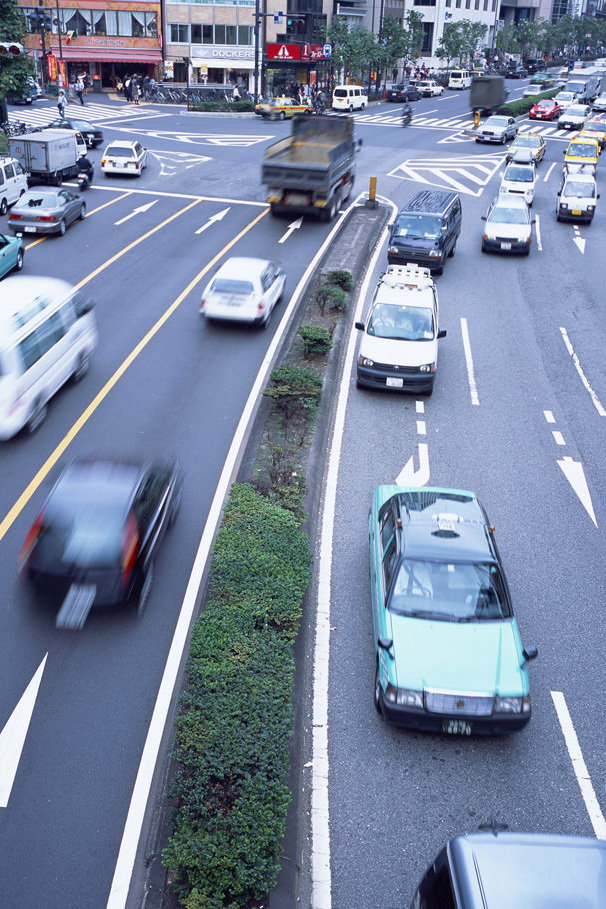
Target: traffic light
(11, 49)
(42, 19)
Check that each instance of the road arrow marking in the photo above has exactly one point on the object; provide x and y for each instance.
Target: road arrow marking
(573, 471)
(218, 217)
(136, 211)
(411, 477)
(291, 227)
(12, 737)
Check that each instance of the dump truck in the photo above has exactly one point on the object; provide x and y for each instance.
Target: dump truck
(46, 156)
(313, 170)
(487, 93)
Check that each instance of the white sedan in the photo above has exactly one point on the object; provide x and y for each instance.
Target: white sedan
(429, 88)
(244, 290)
(123, 157)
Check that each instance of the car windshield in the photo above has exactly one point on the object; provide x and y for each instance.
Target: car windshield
(496, 121)
(38, 200)
(401, 323)
(502, 214)
(525, 142)
(519, 173)
(449, 591)
(582, 151)
(576, 111)
(119, 151)
(418, 227)
(565, 96)
(579, 189)
(597, 127)
(232, 286)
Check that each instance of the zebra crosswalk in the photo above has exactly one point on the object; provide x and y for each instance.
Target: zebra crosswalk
(94, 113)
(461, 123)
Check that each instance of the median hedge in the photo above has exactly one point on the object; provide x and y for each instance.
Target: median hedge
(236, 718)
(523, 105)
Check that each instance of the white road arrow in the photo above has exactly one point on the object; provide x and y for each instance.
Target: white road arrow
(573, 471)
(408, 476)
(12, 737)
(580, 244)
(294, 226)
(136, 211)
(218, 217)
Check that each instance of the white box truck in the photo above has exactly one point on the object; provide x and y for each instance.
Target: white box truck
(46, 156)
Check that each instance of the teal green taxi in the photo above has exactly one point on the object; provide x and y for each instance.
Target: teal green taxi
(11, 254)
(449, 657)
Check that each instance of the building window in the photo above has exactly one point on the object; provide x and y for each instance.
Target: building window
(151, 25)
(447, 3)
(427, 37)
(79, 21)
(477, 4)
(485, 5)
(231, 34)
(458, 4)
(246, 34)
(467, 4)
(424, 2)
(179, 34)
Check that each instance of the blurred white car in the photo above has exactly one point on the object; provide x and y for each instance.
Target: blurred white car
(124, 157)
(244, 290)
(531, 90)
(600, 102)
(565, 99)
(519, 179)
(429, 88)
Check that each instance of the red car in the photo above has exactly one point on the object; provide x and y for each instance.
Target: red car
(548, 109)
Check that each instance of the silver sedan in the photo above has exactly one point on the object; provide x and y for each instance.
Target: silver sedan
(45, 211)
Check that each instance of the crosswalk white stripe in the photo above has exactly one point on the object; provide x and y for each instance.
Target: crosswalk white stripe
(36, 116)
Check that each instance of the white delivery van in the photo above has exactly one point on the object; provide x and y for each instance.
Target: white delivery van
(349, 97)
(13, 182)
(459, 78)
(47, 335)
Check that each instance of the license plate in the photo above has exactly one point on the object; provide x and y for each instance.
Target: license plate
(29, 230)
(297, 199)
(576, 212)
(505, 245)
(456, 727)
(394, 383)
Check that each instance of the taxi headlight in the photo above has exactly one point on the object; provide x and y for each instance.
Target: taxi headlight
(404, 697)
(365, 361)
(591, 208)
(512, 705)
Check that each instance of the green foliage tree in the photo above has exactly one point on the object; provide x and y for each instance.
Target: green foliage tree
(14, 71)
(416, 35)
(451, 43)
(471, 35)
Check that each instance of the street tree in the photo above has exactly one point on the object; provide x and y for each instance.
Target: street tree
(451, 43)
(15, 71)
(472, 34)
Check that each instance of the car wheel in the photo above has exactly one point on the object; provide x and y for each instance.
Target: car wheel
(58, 178)
(82, 214)
(37, 416)
(452, 251)
(3, 207)
(282, 115)
(362, 107)
(62, 227)
(82, 366)
(90, 143)
(175, 509)
(351, 108)
(144, 592)
(377, 693)
(19, 263)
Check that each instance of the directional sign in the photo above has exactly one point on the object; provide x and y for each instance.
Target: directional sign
(137, 211)
(12, 737)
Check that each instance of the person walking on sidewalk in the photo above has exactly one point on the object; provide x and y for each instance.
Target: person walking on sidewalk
(80, 89)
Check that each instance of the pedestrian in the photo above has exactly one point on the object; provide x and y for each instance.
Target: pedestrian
(87, 83)
(127, 88)
(146, 87)
(135, 90)
(235, 95)
(80, 89)
(62, 103)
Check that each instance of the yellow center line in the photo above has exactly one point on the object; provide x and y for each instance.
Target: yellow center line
(88, 214)
(84, 417)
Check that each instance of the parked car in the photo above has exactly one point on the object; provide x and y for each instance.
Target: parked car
(448, 653)
(244, 290)
(399, 346)
(497, 128)
(97, 538)
(508, 225)
(576, 200)
(46, 210)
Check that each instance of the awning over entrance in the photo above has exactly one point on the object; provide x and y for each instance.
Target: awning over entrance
(223, 63)
(110, 54)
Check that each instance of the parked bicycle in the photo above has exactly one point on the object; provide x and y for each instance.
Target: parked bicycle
(14, 128)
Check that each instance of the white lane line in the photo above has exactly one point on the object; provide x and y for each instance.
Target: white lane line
(120, 886)
(420, 406)
(548, 174)
(421, 428)
(577, 365)
(473, 388)
(559, 438)
(549, 416)
(321, 896)
(538, 233)
(578, 765)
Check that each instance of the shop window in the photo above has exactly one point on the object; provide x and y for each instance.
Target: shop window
(151, 25)
(179, 34)
(246, 34)
(138, 25)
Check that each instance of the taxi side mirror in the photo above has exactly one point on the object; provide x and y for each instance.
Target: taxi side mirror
(483, 218)
(359, 326)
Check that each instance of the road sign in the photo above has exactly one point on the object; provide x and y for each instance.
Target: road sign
(327, 50)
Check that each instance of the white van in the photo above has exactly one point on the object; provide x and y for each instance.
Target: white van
(13, 182)
(459, 78)
(47, 335)
(349, 97)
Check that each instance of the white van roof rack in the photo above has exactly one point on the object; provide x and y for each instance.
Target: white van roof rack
(409, 275)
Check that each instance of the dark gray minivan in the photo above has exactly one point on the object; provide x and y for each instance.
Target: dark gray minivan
(426, 230)
(515, 871)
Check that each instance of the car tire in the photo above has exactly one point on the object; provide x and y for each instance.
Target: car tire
(58, 180)
(351, 108)
(62, 227)
(37, 416)
(3, 207)
(377, 694)
(82, 366)
(174, 512)
(82, 214)
(362, 107)
(19, 263)
(145, 590)
(453, 250)
(281, 115)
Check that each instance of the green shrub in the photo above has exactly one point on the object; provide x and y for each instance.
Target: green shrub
(296, 391)
(316, 339)
(523, 105)
(338, 302)
(235, 722)
(3, 143)
(328, 295)
(341, 278)
(227, 106)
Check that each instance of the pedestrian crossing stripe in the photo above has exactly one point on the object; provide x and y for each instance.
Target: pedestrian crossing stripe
(94, 113)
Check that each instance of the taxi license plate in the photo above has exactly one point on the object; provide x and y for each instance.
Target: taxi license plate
(394, 383)
(505, 245)
(29, 230)
(576, 212)
(456, 727)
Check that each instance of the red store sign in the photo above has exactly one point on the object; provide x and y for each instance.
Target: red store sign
(288, 52)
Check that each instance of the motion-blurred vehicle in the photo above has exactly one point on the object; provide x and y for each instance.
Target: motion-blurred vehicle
(534, 143)
(125, 158)
(516, 72)
(283, 108)
(244, 290)
(98, 535)
(498, 128)
(543, 79)
(520, 177)
(45, 210)
(399, 346)
(508, 225)
(532, 90)
(546, 109)
(574, 117)
(576, 200)
(595, 129)
(448, 653)
(27, 95)
(93, 136)
(13, 182)
(11, 254)
(600, 102)
(402, 92)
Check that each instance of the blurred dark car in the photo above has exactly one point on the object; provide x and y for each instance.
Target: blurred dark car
(516, 72)
(401, 92)
(92, 135)
(534, 65)
(97, 537)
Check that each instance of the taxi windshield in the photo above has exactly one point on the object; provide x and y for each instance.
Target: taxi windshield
(582, 151)
(449, 592)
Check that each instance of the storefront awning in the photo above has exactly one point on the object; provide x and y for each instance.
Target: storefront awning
(222, 63)
(110, 54)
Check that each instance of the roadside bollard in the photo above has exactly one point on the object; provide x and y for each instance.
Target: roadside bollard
(476, 119)
(371, 202)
